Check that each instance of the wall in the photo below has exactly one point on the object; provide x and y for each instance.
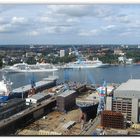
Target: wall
(134, 110)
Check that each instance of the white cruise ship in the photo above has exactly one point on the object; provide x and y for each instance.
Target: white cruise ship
(24, 67)
(85, 64)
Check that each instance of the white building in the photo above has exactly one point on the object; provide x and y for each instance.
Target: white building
(70, 51)
(62, 53)
(126, 99)
(122, 59)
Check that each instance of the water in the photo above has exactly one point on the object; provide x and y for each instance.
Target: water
(113, 74)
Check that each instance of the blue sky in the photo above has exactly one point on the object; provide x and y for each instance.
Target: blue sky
(69, 24)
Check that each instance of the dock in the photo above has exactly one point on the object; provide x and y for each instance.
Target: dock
(26, 115)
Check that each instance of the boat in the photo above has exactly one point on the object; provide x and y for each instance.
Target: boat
(5, 90)
(85, 64)
(24, 67)
(88, 104)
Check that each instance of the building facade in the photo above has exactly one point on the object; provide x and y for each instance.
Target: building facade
(62, 53)
(126, 99)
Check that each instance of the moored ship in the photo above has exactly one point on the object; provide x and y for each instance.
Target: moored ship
(24, 67)
(86, 64)
(5, 90)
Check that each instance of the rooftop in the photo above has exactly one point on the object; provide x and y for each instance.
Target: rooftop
(131, 85)
(28, 87)
(38, 96)
(67, 93)
(130, 89)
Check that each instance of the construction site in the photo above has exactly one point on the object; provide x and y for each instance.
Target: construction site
(64, 119)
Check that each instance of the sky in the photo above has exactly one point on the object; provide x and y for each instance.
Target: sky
(69, 24)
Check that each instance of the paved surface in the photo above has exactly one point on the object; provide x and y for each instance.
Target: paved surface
(91, 127)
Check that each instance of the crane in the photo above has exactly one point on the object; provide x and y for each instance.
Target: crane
(102, 97)
(32, 82)
(80, 56)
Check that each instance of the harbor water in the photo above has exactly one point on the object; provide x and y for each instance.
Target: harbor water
(112, 74)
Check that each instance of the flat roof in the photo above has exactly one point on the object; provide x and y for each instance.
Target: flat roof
(38, 96)
(66, 93)
(130, 85)
(28, 87)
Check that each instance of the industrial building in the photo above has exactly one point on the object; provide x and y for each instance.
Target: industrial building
(126, 99)
(66, 100)
(12, 107)
(37, 98)
(40, 86)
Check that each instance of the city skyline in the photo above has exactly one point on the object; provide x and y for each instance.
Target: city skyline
(69, 24)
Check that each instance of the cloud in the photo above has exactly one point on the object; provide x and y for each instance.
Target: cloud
(92, 32)
(33, 33)
(119, 18)
(124, 34)
(15, 24)
(108, 27)
(80, 11)
(18, 20)
(72, 20)
(1, 20)
(6, 28)
(47, 19)
(102, 21)
(57, 29)
(70, 10)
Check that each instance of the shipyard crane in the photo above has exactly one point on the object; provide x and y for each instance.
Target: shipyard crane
(101, 90)
(86, 70)
(66, 79)
(102, 97)
(32, 82)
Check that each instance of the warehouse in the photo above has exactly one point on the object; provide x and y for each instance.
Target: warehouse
(11, 107)
(126, 99)
(37, 98)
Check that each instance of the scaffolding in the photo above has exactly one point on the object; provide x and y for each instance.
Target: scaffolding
(112, 119)
(102, 97)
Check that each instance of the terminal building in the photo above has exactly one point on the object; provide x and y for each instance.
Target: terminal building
(126, 99)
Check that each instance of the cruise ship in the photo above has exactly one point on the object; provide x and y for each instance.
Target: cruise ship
(86, 64)
(24, 67)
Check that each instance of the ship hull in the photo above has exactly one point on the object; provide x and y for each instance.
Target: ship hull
(4, 98)
(79, 66)
(90, 111)
(31, 70)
